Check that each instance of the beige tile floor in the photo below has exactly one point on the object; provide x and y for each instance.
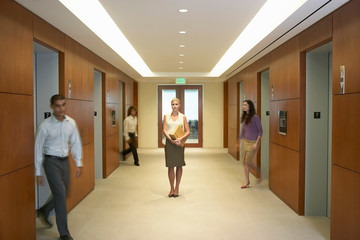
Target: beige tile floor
(132, 204)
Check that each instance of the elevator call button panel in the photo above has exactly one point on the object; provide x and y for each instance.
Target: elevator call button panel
(282, 122)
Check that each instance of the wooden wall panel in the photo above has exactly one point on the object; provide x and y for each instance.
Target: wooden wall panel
(98, 63)
(17, 218)
(233, 116)
(111, 130)
(285, 70)
(346, 131)
(292, 139)
(112, 84)
(345, 208)
(284, 175)
(250, 83)
(83, 113)
(232, 148)
(346, 51)
(79, 70)
(17, 132)
(232, 92)
(135, 94)
(82, 186)
(128, 94)
(112, 154)
(46, 33)
(16, 48)
(226, 117)
(317, 34)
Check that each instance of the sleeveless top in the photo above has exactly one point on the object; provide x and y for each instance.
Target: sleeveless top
(171, 124)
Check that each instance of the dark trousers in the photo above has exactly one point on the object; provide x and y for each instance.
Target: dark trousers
(57, 173)
(132, 148)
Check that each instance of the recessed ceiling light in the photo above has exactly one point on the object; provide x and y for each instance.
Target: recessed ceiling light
(182, 32)
(181, 55)
(181, 45)
(181, 62)
(181, 68)
(183, 10)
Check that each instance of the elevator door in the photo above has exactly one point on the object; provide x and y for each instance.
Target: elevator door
(46, 84)
(318, 131)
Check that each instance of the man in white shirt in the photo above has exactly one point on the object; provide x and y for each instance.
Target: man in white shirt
(130, 134)
(52, 145)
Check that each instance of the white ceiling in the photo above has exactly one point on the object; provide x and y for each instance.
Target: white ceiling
(152, 28)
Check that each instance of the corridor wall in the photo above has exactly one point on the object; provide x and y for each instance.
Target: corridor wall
(18, 29)
(345, 182)
(287, 153)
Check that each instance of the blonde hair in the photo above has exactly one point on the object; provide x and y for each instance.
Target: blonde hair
(176, 99)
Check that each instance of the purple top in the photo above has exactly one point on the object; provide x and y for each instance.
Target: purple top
(251, 130)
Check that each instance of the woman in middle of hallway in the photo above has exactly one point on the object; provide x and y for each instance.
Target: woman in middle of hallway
(250, 136)
(174, 152)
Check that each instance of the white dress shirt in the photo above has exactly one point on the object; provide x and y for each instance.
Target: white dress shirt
(53, 138)
(130, 123)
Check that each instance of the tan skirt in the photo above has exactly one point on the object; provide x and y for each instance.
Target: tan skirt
(247, 152)
(174, 155)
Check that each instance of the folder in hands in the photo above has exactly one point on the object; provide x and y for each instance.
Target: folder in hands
(178, 133)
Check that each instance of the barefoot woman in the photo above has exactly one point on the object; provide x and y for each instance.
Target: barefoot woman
(174, 153)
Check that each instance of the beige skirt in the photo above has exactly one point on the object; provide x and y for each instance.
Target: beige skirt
(247, 152)
(174, 155)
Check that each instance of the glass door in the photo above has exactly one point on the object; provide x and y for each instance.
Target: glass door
(191, 105)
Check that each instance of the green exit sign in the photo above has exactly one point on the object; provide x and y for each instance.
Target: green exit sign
(180, 81)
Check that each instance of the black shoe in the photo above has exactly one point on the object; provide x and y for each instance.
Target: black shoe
(123, 155)
(44, 217)
(136, 164)
(67, 237)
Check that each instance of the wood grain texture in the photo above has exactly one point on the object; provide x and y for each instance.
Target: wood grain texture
(80, 187)
(135, 94)
(17, 218)
(48, 35)
(345, 208)
(232, 86)
(112, 84)
(226, 117)
(346, 51)
(83, 113)
(16, 48)
(79, 70)
(112, 154)
(317, 34)
(17, 132)
(111, 130)
(292, 139)
(285, 70)
(249, 79)
(346, 131)
(232, 148)
(98, 63)
(284, 175)
(233, 116)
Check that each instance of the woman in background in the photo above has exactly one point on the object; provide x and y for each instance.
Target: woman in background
(130, 134)
(250, 136)
(174, 153)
